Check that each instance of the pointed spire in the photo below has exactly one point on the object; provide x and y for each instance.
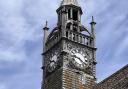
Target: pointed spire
(46, 33)
(92, 19)
(46, 23)
(93, 22)
(46, 26)
(69, 2)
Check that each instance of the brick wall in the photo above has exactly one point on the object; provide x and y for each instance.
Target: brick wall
(118, 80)
(72, 80)
(54, 81)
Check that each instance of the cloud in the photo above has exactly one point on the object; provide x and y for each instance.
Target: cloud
(18, 32)
(9, 55)
(15, 30)
(21, 23)
(111, 33)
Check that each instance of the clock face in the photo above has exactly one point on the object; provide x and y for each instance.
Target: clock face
(52, 63)
(79, 59)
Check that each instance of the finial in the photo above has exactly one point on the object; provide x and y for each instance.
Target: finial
(46, 23)
(93, 22)
(92, 19)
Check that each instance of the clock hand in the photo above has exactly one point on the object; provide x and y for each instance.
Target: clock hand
(88, 55)
(80, 59)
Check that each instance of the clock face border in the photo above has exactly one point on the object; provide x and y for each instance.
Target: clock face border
(52, 63)
(79, 59)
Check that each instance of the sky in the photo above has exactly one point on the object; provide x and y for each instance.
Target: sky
(21, 38)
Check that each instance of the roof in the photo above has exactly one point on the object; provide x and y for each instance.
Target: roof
(122, 69)
(69, 2)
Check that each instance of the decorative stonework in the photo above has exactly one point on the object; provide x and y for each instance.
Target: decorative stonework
(81, 49)
(52, 59)
(69, 54)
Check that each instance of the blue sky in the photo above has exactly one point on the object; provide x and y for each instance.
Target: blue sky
(21, 23)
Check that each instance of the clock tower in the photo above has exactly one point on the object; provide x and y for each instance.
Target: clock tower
(69, 55)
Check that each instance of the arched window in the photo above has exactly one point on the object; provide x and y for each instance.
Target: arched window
(75, 15)
(75, 27)
(68, 26)
(67, 34)
(69, 13)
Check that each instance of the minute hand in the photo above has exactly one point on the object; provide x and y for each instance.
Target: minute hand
(80, 60)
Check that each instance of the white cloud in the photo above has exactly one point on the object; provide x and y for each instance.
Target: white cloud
(12, 54)
(22, 20)
(14, 31)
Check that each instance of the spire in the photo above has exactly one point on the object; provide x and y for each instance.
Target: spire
(46, 23)
(46, 33)
(70, 2)
(46, 26)
(93, 22)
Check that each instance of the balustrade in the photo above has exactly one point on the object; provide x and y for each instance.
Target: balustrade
(71, 35)
(78, 37)
(53, 40)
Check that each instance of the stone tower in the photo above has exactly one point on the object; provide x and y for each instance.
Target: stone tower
(69, 56)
